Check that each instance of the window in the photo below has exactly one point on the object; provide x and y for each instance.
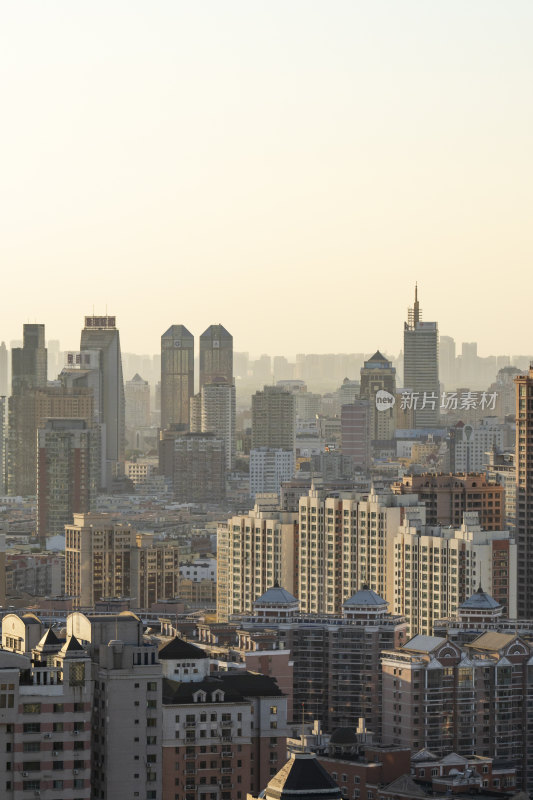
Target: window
(31, 708)
(58, 708)
(31, 727)
(273, 709)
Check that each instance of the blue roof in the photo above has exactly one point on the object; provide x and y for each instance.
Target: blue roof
(480, 600)
(276, 594)
(366, 597)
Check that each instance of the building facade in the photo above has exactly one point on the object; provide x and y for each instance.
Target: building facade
(68, 473)
(421, 367)
(448, 497)
(101, 336)
(177, 375)
(216, 355)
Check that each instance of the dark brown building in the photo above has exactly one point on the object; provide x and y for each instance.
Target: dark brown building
(447, 497)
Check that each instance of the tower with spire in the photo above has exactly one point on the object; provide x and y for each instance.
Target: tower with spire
(421, 366)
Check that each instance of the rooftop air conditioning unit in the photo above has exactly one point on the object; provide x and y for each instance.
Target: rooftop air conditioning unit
(54, 752)
(47, 735)
(24, 774)
(75, 771)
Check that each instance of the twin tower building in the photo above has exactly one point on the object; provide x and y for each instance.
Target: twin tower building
(212, 408)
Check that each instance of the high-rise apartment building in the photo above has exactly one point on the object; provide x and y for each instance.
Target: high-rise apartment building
(253, 552)
(378, 386)
(137, 398)
(177, 375)
(421, 367)
(448, 497)
(524, 491)
(217, 415)
(158, 572)
(101, 334)
(127, 710)
(436, 569)
(3, 445)
(68, 473)
(273, 418)
(269, 468)
(27, 413)
(216, 355)
(345, 542)
(355, 433)
(199, 468)
(470, 444)
(100, 559)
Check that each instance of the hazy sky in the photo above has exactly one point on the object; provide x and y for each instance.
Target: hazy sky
(285, 167)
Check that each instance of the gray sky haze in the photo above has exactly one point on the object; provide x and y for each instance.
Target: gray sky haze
(288, 168)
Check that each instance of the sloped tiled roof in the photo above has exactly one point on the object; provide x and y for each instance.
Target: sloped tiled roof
(276, 594)
(423, 644)
(480, 600)
(303, 776)
(365, 597)
(178, 650)
(405, 785)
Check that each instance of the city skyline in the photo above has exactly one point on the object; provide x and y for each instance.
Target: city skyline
(178, 158)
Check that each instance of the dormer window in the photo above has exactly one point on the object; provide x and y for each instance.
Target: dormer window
(217, 696)
(199, 696)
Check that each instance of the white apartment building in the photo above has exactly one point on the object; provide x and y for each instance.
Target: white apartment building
(471, 443)
(269, 468)
(436, 569)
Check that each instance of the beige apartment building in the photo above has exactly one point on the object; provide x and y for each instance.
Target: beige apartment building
(436, 569)
(106, 559)
(253, 552)
(345, 542)
(98, 558)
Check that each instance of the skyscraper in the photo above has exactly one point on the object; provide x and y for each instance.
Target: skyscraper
(216, 355)
(524, 492)
(28, 374)
(379, 376)
(177, 375)
(4, 387)
(273, 418)
(421, 367)
(29, 362)
(68, 463)
(101, 334)
(137, 393)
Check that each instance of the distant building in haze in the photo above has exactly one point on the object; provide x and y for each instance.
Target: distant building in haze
(378, 386)
(274, 419)
(137, 396)
(68, 464)
(177, 375)
(524, 491)
(421, 367)
(101, 334)
(216, 355)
